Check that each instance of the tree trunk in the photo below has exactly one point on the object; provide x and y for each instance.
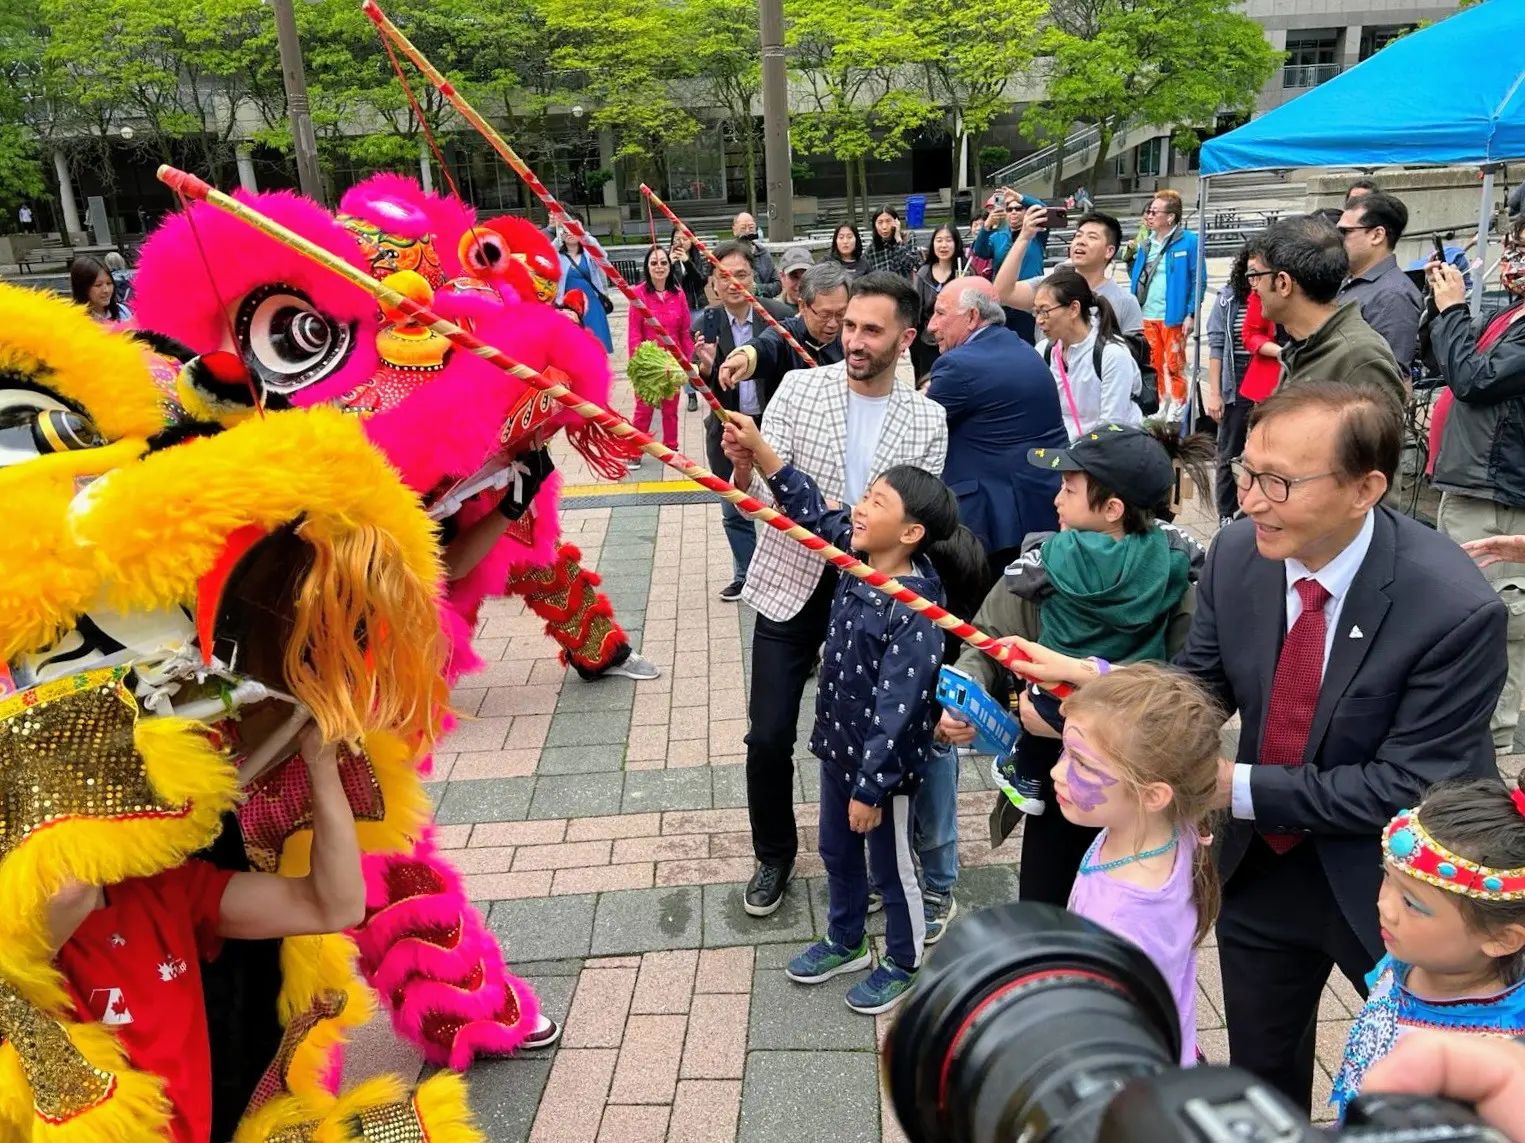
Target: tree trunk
(1058, 183)
(852, 198)
(1103, 145)
(863, 186)
(750, 137)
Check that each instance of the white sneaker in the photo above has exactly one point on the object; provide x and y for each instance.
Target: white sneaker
(637, 668)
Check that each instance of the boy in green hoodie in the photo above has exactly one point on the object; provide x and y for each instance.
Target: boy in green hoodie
(1110, 584)
(1107, 582)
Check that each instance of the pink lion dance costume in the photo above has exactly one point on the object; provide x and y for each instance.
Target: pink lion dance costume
(276, 323)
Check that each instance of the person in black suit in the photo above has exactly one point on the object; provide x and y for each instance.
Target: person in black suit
(720, 330)
(1364, 654)
(1001, 401)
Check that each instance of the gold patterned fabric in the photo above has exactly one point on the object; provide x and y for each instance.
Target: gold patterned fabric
(63, 1082)
(273, 1083)
(392, 1123)
(67, 750)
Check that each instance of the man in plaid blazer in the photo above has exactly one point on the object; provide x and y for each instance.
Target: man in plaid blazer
(842, 424)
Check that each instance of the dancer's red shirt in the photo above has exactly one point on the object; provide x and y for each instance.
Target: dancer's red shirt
(134, 966)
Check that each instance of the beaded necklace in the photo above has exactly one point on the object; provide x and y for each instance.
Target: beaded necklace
(1088, 867)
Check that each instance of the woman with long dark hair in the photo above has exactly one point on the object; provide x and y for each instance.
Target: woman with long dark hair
(1093, 367)
(847, 247)
(889, 248)
(93, 287)
(669, 306)
(944, 262)
(580, 272)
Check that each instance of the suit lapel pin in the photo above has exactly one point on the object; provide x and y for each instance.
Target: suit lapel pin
(1355, 632)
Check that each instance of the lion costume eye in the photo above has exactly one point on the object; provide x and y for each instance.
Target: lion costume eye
(286, 341)
(34, 425)
(483, 251)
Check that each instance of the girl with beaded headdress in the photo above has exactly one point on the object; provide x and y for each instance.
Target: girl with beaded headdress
(1452, 907)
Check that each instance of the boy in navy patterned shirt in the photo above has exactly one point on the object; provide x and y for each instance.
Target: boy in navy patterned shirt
(875, 707)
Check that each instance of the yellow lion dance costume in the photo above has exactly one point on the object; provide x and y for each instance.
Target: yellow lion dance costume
(153, 584)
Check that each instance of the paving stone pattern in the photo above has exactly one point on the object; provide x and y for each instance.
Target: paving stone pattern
(601, 828)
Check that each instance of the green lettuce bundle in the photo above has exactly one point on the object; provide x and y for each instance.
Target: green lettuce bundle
(654, 374)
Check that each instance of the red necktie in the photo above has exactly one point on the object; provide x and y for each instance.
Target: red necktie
(1294, 692)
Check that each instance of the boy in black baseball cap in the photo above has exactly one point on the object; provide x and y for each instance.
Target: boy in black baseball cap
(1108, 581)
(1106, 585)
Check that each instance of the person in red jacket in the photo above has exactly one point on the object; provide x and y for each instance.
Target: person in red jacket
(131, 953)
(667, 302)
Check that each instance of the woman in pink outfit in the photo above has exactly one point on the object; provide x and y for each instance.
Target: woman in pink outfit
(666, 301)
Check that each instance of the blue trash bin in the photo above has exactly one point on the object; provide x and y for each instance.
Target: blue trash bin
(915, 211)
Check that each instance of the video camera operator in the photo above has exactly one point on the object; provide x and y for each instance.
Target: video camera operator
(1477, 438)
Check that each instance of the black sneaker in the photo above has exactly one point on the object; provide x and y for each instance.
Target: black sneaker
(765, 892)
(731, 592)
(693, 402)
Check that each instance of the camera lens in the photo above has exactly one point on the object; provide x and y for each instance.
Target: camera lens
(1023, 1026)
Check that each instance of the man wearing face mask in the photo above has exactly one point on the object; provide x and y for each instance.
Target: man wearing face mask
(1480, 466)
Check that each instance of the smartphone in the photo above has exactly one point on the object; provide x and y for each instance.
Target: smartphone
(1440, 248)
(1057, 218)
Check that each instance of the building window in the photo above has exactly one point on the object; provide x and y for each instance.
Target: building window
(1312, 58)
(696, 170)
(1150, 155)
(1376, 37)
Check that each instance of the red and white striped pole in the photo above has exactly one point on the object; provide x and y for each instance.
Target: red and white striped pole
(553, 207)
(194, 188)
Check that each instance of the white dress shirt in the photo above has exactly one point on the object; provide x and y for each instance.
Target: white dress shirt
(1336, 577)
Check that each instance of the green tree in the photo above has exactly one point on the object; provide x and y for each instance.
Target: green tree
(850, 60)
(629, 55)
(970, 63)
(725, 50)
(21, 84)
(1121, 63)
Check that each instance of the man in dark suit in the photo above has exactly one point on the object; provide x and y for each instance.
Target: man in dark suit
(1363, 653)
(1001, 402)
(721, 329)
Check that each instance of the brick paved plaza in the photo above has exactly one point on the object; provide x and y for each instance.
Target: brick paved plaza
(602, 829)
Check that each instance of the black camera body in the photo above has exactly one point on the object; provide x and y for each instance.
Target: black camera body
(1033, 1025)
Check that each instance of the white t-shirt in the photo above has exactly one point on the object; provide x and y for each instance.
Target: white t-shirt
(865, 417)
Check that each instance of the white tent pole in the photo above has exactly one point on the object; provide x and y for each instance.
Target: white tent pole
(1484, 214)
(1196, 324)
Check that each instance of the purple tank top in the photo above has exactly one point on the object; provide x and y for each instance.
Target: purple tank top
(1160, 921)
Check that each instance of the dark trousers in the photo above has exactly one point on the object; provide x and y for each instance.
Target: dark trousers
(1233, 428)
(1279, 934)
(740, 532)
(782, 655)
(889, 847)
(1052, 847)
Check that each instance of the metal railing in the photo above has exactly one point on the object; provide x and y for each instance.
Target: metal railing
(1030, 166)
(1308, 75)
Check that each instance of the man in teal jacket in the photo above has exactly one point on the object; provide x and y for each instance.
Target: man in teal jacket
(1165, 283)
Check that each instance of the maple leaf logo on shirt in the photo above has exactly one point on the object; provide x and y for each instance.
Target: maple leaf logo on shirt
(171, 968)
(111, 1006)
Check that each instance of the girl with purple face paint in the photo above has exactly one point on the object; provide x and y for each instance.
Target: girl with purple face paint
(1140, 762)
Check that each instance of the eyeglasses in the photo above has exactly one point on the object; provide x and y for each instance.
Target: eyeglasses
(1347, 230)
(1253, 274)
(1152, 211)
(1044, 311)
(1274, 487)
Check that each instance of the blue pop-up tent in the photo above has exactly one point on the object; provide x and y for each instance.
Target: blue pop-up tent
(1452, 94)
